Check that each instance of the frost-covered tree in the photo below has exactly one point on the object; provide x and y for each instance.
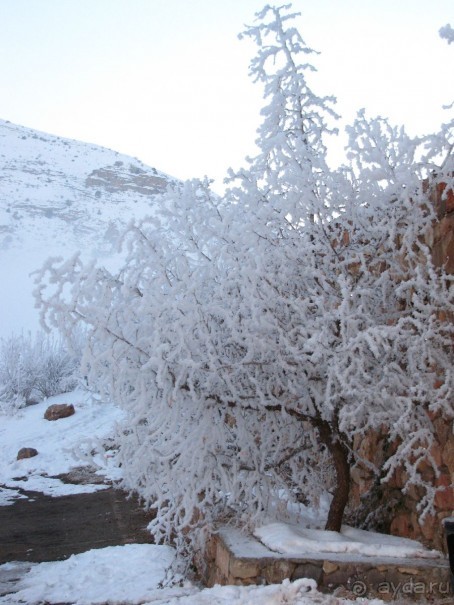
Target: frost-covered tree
(447, 33)
(33, 368)
(254, 339)
(16, 381)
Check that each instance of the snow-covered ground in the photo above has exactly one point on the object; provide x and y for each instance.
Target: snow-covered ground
(136, 574)
(61, 446)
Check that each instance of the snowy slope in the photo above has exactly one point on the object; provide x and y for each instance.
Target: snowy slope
(58, 196)
(61, 446)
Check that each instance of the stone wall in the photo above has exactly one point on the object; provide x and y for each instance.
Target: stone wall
(385, 508)
(442, 237)
(233, 558)
(394, 512)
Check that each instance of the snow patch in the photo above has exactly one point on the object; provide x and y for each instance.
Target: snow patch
(294, 540)
(51, 486)
(116, 574)
(9, 496)
(61, 445)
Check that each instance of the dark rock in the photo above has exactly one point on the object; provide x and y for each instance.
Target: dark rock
(26, 452)
(82, 475)
(309, 569)
(59, 410)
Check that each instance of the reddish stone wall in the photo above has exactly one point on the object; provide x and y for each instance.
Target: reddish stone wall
(443, 244)
(401, 509)
(396, 512)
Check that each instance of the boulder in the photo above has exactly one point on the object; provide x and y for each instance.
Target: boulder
(26, 452)
(59, 410)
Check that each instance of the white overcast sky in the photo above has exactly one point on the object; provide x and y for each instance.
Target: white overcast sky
(166, 80)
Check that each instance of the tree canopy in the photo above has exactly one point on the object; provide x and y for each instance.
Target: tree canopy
(254, 338)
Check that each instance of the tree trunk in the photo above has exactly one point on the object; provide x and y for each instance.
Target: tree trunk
(339, 453)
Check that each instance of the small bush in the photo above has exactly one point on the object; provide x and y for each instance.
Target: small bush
(32, 369)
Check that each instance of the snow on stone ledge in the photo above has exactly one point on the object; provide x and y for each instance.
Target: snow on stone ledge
(294, 540)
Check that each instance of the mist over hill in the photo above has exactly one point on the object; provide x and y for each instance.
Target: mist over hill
(58, 196)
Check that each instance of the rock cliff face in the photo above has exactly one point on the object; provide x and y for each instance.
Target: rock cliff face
(443, 235)
(385, 507)
(58, 196)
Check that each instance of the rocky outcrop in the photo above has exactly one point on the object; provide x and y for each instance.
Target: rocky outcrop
(117, 178)
(26, 452)
(59, 410)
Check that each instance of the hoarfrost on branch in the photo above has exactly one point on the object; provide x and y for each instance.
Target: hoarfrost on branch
(255, 339)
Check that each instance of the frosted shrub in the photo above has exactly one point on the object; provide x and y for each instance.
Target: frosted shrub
(16, 379)
(34, 368)
(254, 339)
(56, 367)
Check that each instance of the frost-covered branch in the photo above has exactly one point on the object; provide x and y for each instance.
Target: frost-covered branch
(447, 33)
(254, 339)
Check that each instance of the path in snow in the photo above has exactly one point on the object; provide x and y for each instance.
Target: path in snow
(44, 528)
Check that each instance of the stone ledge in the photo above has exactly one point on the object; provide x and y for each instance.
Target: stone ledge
(238, 559)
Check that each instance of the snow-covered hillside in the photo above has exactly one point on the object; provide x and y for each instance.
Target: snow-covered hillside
(58, 196)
